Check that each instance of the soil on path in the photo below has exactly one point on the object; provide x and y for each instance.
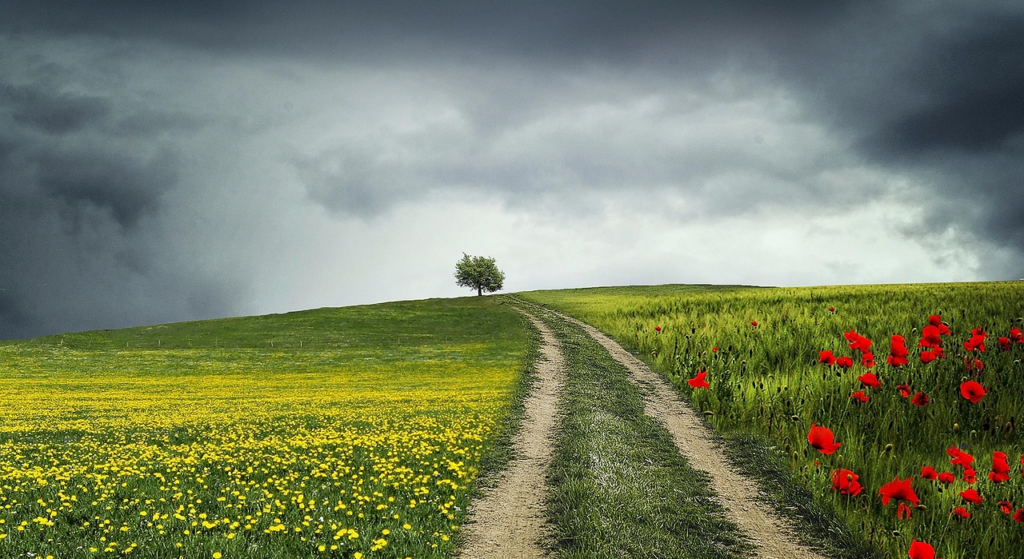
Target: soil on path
(509, 521)
(770, 533)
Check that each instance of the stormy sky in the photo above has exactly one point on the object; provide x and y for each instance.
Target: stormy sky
(167, 161)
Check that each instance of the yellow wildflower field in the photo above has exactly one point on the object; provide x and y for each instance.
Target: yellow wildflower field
(249, 452)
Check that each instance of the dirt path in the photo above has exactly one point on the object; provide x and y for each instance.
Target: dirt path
(766, 530)
(509, 521)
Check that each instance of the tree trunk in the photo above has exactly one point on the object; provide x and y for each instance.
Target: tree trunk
(479, 290)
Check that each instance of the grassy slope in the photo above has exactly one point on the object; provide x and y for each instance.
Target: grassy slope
(402, 326)
(293, 372)
(621, 489)
(767, 390)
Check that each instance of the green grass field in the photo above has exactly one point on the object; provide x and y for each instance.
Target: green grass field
(767, 387)
(362, 431)
(351, 432)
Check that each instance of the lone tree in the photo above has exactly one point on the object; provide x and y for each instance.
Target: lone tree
(479, 273)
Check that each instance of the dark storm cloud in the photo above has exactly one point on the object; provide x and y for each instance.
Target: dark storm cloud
(733, 107)
(578, 31)
(53, 113)
(972, 91)
(80, 207)
(87, 181)
(10, 313)
(965, 132)
(152, 123)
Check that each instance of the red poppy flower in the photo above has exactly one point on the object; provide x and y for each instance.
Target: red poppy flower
(936, 321)
(894, 361)
(1006, 507)
(977, 340)
(857, 341)
(904, 390)
(977, 366)
(900, 490)
(860, 396)
(928, 357)
(929, 337)
(929, 473)
(972, 391)
(1019, 515)
(946, 477)
(920, 399)
(699, 380)
(826, 357)
(845, 482)
(1016, 335)
(898, 348)
(958, 457)
(870, 380)
(1004, 343)
(844, 362)
(753, 323)
(903, 512)
(970, 476)
(657, 328)
(1000, 468)
(961, 512)
(921, 550)
(715, 349)
(868, 359)
(831, 309)
(822, 439)
(971, 496)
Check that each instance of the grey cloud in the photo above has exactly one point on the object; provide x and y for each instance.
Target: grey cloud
(752, 105)
(357, 183)
(127, 189)
(971, 90)
(931, 93)
(577, 31)
(7, 148)
(82, 212)
(967, 133)
(11, 315)
(152, 123)
(727, 156)
(53, 113)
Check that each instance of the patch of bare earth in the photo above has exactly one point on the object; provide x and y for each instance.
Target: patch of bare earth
(508, 522)
(770, 533)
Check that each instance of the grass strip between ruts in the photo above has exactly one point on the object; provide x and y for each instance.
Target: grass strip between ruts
(620, 486)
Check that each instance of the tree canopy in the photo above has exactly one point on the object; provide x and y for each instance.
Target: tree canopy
(478, 272)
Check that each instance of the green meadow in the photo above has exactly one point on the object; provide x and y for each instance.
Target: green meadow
(351, 432)
(366, 431)
(766, 388)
